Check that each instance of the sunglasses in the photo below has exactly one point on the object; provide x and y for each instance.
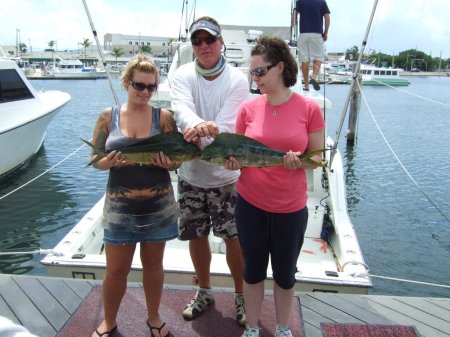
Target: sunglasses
(208, 40)
(141, 86)
(261, 71)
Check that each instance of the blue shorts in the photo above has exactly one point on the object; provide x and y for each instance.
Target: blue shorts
(263, 234)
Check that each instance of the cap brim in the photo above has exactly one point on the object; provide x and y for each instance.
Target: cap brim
(210, 31)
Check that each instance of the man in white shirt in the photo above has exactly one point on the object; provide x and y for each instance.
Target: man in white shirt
(205, 96)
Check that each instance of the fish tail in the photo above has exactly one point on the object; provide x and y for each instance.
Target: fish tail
(100, 154)
(306, 158)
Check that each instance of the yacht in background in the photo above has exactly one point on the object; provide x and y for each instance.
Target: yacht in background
(25, 114)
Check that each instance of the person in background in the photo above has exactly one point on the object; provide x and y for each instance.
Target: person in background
(140, 204)
(205, 96)
(271, 212)
(313, 34)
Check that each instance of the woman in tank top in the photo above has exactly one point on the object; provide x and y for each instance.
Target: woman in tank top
(139, 201)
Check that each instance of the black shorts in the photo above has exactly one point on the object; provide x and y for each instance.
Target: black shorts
(263, 233)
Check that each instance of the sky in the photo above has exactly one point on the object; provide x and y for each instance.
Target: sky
(397, 25)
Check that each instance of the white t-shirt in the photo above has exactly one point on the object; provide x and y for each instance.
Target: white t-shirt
(9, 329)
(195, 100)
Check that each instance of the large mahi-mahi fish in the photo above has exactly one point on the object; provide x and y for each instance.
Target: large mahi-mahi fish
(172, 144)
(250, 152)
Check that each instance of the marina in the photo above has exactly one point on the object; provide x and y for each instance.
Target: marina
(395, 188)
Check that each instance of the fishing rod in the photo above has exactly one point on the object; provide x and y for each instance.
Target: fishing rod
(101, 53)
(353, 84)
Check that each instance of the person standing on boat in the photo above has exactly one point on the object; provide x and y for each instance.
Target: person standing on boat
(313, 14)
(271, 212)
(140, 205)
(205, 95)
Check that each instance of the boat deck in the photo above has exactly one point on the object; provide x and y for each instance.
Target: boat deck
(44, 305)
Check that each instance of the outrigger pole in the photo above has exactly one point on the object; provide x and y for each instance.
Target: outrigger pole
(356, 70)
(100, 53)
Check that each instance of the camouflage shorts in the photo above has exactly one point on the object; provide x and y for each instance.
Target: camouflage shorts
(203, 208)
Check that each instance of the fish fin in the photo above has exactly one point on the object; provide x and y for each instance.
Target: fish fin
(100, 154)
(160, 138)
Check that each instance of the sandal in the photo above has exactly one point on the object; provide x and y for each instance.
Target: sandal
(314, 84)
(106, 332)
(169, 334)
(304, 89)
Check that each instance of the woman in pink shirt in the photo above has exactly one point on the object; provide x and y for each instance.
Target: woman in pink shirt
(271, 212)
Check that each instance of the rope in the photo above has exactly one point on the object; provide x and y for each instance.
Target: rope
(38, 251)
(40, 175)
(399, 161)
(365, 275)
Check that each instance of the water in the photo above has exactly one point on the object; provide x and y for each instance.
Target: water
(402, 224)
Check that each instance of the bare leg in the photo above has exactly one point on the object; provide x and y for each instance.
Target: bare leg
(235, 263)
(153, 279)
(316, 68)
(283, 304)
(305, 72)
(118, 263)
(254, 296)
(201, 259)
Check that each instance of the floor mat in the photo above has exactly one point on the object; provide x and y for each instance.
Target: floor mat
(367, 330)
(217, 321)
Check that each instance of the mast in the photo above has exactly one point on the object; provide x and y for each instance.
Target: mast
(101, 53)
(355, 75)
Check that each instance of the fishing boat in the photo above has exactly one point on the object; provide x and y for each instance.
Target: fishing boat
(71, 69)
(25, 114)
(372, 75)
(330, 261)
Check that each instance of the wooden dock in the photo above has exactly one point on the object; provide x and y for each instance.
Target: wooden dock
(45, 304)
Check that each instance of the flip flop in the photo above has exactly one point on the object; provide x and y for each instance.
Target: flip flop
(169, 334)
(106, 332)
(314, 84)
(304, 89)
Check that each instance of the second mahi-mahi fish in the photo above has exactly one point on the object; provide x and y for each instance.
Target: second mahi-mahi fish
(250, 152)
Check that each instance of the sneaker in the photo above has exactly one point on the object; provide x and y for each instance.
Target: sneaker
(241, 318)
(250, 332)
(198, 305)
(282, 332)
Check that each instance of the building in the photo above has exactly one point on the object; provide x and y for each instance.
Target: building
(131, 43)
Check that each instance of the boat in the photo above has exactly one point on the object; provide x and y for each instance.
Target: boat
(330, 261)
(67, 69)
(372, 75)
(25, 115)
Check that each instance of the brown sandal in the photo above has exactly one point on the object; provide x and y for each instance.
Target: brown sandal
(106, 332)
(169, 334)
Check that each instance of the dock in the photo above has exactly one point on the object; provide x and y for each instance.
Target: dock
(46, 306)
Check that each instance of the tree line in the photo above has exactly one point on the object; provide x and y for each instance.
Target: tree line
(411, 60)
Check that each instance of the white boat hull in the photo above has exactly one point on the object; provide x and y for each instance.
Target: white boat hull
(80, 254)
(24, 123)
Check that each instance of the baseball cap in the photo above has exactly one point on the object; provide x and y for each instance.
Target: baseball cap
(209, 26)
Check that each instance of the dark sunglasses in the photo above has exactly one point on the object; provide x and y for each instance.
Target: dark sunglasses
(261, 71)
(141, 86)
(208, 40)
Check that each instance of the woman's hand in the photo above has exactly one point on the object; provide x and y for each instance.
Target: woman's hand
(113, 159)
(291, 160)
(163, 161)
(232, 164)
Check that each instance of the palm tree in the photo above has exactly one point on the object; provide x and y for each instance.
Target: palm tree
(51, 44)
(22, 47)
(145, 49)
(86, 43)
(117, 52)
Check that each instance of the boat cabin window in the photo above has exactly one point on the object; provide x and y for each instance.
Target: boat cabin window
(376, 72)
(12, 87)
(394, 73)
(382, 72)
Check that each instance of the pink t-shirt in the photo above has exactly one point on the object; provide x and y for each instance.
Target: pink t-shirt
(284, 127)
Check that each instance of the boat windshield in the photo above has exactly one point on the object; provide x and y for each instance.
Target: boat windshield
(12, 87)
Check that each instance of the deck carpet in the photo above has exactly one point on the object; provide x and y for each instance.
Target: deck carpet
(217, 321)
(367, 330)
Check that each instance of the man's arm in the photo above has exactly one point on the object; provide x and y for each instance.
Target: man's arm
(327, 26)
